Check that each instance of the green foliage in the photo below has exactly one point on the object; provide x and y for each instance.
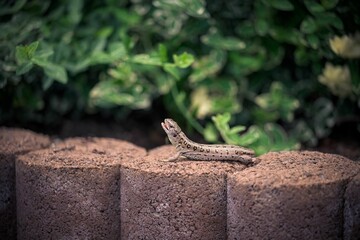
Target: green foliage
(27, 57)
(269, 137)
(275, 105)
(264, 64)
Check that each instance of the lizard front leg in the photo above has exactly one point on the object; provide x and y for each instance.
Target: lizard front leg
(177, 156)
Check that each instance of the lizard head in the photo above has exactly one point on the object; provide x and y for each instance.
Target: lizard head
(172, 129)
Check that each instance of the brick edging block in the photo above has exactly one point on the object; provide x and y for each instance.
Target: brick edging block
(109, 189)
(295, 195)
(352, 209)
(13, 142)
(173, 200)
(71, 190)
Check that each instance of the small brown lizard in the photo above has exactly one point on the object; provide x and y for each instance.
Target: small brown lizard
(204, 152)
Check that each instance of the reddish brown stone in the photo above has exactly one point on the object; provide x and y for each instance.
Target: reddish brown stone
(352, 209)
(71, 191)
(292, 195)
(174, 200)
(13, 142)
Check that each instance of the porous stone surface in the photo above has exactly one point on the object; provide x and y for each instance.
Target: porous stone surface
(13, 142)
(174, 200)
(295, 195)
(352, 209)
(71, 190)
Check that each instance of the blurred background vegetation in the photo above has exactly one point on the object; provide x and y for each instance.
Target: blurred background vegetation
(265, 74)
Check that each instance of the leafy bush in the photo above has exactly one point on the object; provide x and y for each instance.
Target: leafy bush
(268, 65)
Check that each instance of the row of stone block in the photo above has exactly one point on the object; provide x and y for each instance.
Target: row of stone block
(99, 188)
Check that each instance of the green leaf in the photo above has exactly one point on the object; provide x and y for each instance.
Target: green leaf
(249, 62)
(15, 7)
(172, 70)
(313, 6)
(271, 137)
(100, 57)
(308, 25)
(324, 119)
(24, 54)
(247, 29)
(127, 41)
(146, 60)
(75, 11)
(303, 56)
(127, 16)
(246, 63)
(24, 68)
(249, 137)
(283, 5)
(313, 41)
(44, 52)
(262, 27)
(226, 43)
(231, 136)
(237, 129)
(117, 51)
(163, 84)
(163, 54)
(195, 8)
(111, 93)
(210, 133)
(21, 55)
(329, 4)
(104, 32)
(207, 66)
(31, 48)
(302, 132)
(288, 35)
(275, 52)
(221, 121)
(279, 139)
(278, 102)
(56, 72)
(184, 60)
(180, 97)
(215, 96)
(47, 82)
(52, 70)
(326, 19)
(263, 142)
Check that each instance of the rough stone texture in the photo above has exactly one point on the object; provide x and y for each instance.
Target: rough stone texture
(167, 200)
(71, 191)
(13, 142)
(352, 209)
(294, 195)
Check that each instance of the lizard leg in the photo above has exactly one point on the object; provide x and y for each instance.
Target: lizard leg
(175, 157)
(192, 155)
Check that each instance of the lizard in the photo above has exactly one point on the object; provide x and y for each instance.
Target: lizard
(203, 152)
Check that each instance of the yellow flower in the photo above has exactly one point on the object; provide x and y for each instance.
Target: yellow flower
(200, 100)
(337, 78)
(346, 46)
